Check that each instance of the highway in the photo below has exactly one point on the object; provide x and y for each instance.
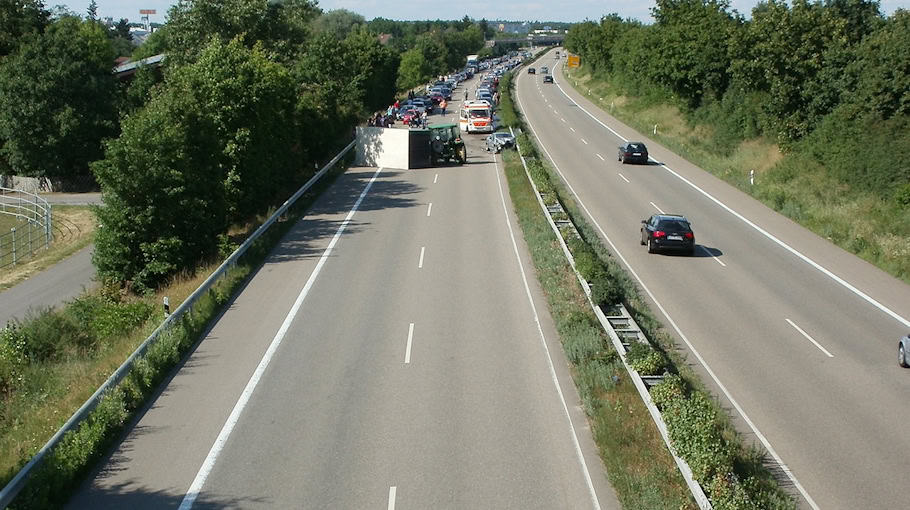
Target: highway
(797, 337)
(394, 351)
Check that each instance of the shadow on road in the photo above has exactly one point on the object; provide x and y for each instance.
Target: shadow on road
(134, 496)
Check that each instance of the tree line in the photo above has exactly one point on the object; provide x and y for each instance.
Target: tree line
(829, 77)
(252, 95)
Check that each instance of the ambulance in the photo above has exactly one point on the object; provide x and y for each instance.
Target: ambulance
(476, 117)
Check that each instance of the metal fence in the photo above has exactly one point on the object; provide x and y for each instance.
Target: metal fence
(18, 482)
(32, 215)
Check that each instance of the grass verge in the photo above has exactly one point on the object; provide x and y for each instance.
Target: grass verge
(732, 473)
(793, 184)
(49, 364)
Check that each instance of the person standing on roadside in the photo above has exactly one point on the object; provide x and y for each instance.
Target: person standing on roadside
(443, 104)
(465, 93)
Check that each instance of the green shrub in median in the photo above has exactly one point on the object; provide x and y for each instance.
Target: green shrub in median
(645, 360)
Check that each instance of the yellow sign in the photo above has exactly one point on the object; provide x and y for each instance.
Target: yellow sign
(574, 60)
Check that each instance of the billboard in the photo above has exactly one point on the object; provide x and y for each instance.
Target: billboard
(147, 11)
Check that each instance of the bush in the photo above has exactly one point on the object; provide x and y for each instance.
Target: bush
(670, 391)
(48, 334)
(693, 427)
(645, 360)
(12, 358)
(104, 318)
(606, 290)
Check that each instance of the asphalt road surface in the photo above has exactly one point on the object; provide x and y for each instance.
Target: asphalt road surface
(410, 367)
(797, 337)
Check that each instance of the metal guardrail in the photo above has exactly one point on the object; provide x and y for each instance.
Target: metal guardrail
(18, 482)
(694, 487)
(35, 232)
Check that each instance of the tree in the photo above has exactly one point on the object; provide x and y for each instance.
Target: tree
(413, 70)
(692, 46)
(338, 22)
(882, 68)
(211, 147)
(162, 211)
(57, 100)
(20, 20)
(377, 65)
(780, 51)
(122, 29)
(92, 11)
(281, 26)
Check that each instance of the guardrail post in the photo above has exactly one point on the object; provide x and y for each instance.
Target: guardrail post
(13, 230)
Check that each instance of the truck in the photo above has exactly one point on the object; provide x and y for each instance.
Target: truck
(473, 60)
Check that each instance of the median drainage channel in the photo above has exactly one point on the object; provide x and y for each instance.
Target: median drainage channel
(718, 470)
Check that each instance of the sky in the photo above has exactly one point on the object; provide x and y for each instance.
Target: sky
(531, 10)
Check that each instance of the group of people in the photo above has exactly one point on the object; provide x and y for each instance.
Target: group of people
(381, 119)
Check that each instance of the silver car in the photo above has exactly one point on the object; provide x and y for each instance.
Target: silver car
(496, 142)
(903, 346)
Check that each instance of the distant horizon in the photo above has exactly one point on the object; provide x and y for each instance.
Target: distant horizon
(569, 11)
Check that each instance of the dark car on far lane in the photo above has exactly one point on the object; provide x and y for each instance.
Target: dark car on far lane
(668, 232)
(531, 70)
(548, 79)
(632, 152)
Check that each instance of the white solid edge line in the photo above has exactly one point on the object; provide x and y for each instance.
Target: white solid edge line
(623, 177)
(429, 208)
(196, 487)
(420, 263)
(869, 299)
(543, 342)
(601, 157)
(392, 491)
(658, 208)
(675, 327)
(810, 338)
(712, 255)
(407, 350)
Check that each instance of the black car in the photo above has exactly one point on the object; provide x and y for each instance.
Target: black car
(668, 232)
(633, 151)
(531, 70)
(548, 79)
